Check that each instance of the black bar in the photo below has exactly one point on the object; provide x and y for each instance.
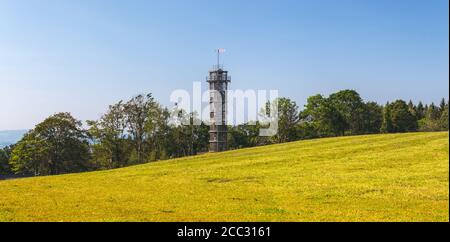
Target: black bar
(231, 231)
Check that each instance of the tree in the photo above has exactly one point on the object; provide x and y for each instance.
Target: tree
(201, 138)
(443, 121)
(401, 118)
(420, 111)
(412, 109)
(181, 134)
(386, 126)
(159, 133)
(351, 108)
(111, 146)
(433, 112)
(324, 116)
(4, 166)
(139, 112)
(288, 117)
(306, 130)
(442, 106)
(237, 137)
(55, 146)
(5, 154)
(372, 118)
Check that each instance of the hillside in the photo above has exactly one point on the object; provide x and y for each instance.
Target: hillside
(394, 177)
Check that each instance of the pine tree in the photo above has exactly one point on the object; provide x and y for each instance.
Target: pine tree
(398, 118)
(420, 111)
(412, 109)
(442, 106)
(386, 126)
(411, 106)
(443, 122)
(433, 112)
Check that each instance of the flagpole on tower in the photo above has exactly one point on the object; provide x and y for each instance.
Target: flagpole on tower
(220, 50)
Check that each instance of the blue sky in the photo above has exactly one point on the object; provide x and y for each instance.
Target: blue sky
(82, 55)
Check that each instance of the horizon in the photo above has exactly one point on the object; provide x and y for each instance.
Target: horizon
(80, 57)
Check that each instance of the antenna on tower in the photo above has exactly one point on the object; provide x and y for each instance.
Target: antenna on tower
(220, 50)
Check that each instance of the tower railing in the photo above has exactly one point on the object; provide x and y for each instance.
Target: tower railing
(219, 78)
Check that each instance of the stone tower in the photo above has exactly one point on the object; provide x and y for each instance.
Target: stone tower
(218, 80)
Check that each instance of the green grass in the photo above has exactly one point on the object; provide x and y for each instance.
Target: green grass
(395, 177)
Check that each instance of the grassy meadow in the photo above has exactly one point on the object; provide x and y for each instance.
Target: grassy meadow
(392, 177)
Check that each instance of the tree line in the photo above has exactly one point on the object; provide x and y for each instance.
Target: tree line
(140, 130)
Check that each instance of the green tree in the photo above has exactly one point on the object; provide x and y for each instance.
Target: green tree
(306, 130)
(351, 108)
(111, 147)
(386, 126)
(431, 119)
(420, 111)
(412, 109)
(372, 118)
(433, 112)
(159, 132)
(201, 139)
(5, 154)
(55, 146)
(324, 116)
(401, 118)
(442, 106)
(139, 113)
(443, 121)
(186, 134)
(237, 137)
(288, 117)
